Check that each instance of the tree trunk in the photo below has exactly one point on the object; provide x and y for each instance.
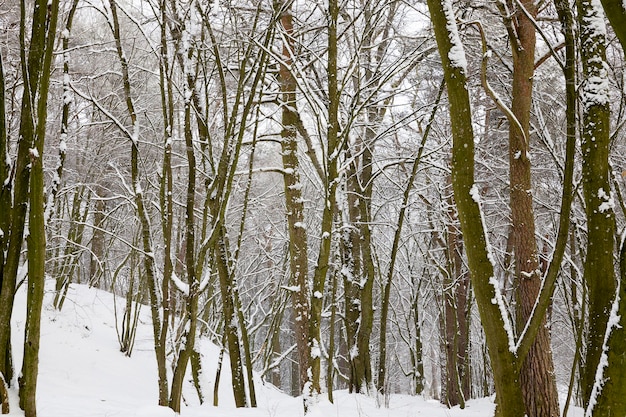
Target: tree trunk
(609, 396)
(616, 13)
(6, 286)
(509, 397)
(298, 252)
(146, 234)
(537, 372)
(613, 395)
(230, 321)
(311, 395)
(455, 300)
(35, 102)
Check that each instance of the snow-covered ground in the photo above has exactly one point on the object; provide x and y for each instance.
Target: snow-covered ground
(84, 374)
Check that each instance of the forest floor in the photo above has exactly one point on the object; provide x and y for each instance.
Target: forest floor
(84, 374)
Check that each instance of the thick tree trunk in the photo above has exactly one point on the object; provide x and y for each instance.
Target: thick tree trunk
(613, 394)
(604, 390)
(537, 372)
(616, 13)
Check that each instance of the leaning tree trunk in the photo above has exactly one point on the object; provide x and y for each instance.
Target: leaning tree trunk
(146, 234)
(509, 396)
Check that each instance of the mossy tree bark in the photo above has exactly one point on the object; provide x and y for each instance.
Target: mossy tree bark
(298, 252)
(314, 388)
(612, 397)
(604, 378)
(616, 13)
(497, 331)
(32, 134)
(599, 274)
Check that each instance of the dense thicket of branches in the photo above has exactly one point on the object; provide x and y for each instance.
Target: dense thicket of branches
(374, 195)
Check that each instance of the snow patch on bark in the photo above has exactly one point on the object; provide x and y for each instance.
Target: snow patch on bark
(497, 299)
(608, 204)
(456, 53)
(595, 89)
(613, 323)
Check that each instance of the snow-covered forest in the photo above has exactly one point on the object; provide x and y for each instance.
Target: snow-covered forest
(394, 207)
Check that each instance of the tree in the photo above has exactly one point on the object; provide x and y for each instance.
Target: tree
(506, 354)
(537, 372)
(332, 152)
(28, 193)
(605, 343)
(298, 251)
(132, 134)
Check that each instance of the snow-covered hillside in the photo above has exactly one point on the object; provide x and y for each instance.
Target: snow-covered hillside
(83, 373)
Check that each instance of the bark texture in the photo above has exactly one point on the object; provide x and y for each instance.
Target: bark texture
(298, 252)
(537, 372)
(509, 397)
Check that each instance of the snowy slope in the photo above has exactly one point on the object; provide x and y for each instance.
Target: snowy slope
(83, 373)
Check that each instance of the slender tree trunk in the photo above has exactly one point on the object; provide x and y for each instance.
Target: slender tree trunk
(455, 309)
(298, 252)
(191, 306)
(41, 47)
(97, 262)
(146, 238)
(6, 366)
(352, 271)
(166, 201)
(417, 356)
(311, 395)
(230, 321)
(382, 359)
(65, 115)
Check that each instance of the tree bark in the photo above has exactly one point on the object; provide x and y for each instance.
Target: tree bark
(603, 344)
(35, 102)
(311, 394)
(298, 251)
(510, 401)
(537, 372)
(6, 291)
